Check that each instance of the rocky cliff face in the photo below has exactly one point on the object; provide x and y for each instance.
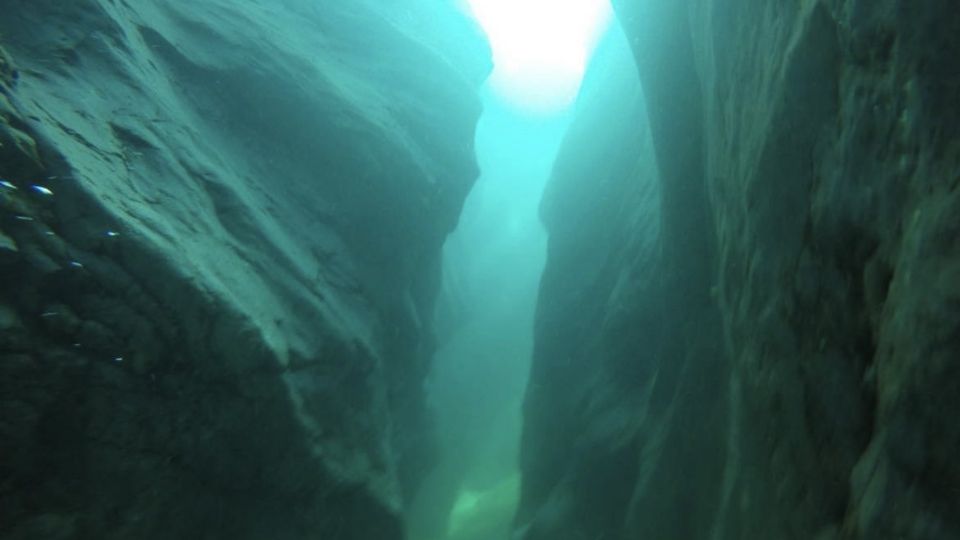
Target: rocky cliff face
(782, 364)
(220, 229)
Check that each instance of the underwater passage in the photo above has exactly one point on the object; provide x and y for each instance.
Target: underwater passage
(479, 270)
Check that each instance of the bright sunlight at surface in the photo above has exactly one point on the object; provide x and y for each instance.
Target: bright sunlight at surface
(540, 48)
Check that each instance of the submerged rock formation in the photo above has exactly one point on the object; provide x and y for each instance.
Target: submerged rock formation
(220, 228)
(782, 363)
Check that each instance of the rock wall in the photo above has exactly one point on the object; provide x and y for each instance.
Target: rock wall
(220, 230)
(790, 370)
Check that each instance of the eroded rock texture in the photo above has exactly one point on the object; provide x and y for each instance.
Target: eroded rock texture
(790, 369)
(219, 246)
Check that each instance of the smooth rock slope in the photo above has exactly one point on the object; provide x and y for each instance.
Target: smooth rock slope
(220, 229)
(783, 364)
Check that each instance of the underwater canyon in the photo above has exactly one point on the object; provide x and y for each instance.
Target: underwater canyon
(258, 279)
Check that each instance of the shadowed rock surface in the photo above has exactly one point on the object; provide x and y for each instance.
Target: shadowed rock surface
(783, 364)
(215, 305)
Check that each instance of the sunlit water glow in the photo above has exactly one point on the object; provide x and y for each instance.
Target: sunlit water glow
(540, 48)
(493, 261)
